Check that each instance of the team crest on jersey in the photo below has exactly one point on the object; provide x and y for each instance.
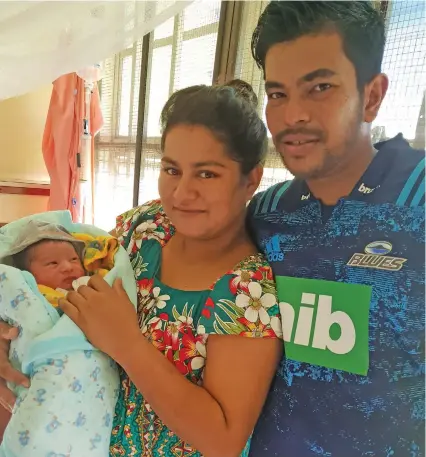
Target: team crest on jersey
(374, 256)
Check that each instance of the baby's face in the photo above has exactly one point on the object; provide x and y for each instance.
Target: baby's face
(55, 264)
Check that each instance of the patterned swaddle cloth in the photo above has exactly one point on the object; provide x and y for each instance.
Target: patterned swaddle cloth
(69, 407)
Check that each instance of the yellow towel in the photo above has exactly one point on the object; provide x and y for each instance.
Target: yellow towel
(98, 259)
(99, 252)
(51, 295)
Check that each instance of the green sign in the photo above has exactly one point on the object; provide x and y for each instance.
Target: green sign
(325, 323)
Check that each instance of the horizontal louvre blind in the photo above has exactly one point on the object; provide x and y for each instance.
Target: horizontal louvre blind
(182, 55)
(246, 69)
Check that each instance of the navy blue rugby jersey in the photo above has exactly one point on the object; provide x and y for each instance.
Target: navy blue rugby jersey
(351, 286)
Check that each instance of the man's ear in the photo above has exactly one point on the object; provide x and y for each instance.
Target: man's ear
(374, 93)
(253, 181)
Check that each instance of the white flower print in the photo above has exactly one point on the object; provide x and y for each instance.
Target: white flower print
(155, 323)
(243, 278)
(256, 304)
(158, 300)
(186, 320)
(201, 330)
(149, 229)
(198, 361)
(276, 326)
(145, 230)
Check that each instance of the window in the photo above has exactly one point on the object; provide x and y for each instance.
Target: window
(404, 62)
(182, 53)
(246, 69)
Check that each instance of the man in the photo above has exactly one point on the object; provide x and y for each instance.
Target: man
(345, 239)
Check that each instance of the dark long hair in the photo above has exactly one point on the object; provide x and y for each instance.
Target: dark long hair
(232, 118)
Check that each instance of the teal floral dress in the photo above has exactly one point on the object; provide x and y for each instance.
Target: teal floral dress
(242, 302)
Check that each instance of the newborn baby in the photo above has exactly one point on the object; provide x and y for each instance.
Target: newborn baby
(68, 408)
(59, 261)
(54, 264)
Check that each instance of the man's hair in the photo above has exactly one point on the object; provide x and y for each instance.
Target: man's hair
(359, 24)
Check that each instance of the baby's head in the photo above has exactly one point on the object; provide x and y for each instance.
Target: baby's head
(49, 252)
(53, 263)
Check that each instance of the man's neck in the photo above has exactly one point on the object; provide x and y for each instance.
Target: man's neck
(339, 184)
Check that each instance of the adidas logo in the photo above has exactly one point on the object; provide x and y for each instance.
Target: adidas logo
(273, 250)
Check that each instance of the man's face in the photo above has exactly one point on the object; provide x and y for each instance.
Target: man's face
(315, 112)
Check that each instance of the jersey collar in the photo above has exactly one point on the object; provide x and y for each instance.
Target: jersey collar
(371, 180)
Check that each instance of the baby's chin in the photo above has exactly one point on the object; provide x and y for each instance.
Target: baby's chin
(66, 285)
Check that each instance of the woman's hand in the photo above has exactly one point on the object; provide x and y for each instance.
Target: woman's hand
(7, 372)
(105, 315)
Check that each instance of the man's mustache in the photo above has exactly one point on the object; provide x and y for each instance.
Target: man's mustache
(312, 133)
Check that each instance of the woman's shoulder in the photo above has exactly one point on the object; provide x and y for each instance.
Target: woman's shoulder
(144, 221)
(149, 210)
(252, 269)
(254, 262)
(244, 302)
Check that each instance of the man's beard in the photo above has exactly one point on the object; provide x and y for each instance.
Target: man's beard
(333, 160)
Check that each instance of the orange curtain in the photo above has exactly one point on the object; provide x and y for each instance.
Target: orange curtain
(61, 142)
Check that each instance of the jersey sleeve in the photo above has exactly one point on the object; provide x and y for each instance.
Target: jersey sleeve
(244, 303)
(250, 217)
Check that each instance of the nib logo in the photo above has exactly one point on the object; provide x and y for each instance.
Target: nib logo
(325, 323)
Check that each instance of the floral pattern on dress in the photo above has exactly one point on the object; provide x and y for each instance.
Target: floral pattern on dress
(178, 323)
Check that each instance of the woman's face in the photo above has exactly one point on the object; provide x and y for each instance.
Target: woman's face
(202, 189)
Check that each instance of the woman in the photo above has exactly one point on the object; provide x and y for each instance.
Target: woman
(195, 378)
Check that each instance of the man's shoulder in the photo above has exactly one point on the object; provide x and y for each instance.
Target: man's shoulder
(402, 157)
(405, 176)
(269, 200)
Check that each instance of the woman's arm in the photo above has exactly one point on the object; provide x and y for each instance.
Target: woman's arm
(5, 416)
(216, 419)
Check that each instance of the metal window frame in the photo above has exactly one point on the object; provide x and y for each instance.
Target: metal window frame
(130, 52)
(145, 62)
(143, 142)
(228, 28)
(227, 41)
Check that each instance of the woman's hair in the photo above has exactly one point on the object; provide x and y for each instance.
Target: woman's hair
(244, 90)
(231, 117)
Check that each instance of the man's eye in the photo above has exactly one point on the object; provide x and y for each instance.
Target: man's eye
(321, 87)
(171, 171)
(275, 95)
(207, 175)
